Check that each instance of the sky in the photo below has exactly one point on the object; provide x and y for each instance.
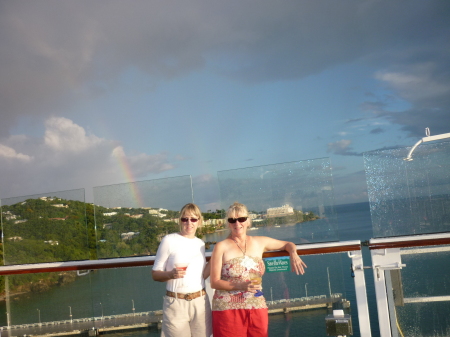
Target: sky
(103, 92)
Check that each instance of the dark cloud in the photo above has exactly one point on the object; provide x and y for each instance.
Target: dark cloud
(415, 121)
(425, 112)
(56, 53)
(423, 85)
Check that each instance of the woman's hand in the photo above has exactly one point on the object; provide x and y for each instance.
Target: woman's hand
(178, 273)
(249, 287)
(297, 264)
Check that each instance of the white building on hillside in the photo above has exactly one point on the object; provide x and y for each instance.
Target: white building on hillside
(157, 212)
(280, 211)
(110, 214)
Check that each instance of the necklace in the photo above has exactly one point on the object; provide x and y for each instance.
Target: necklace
(245, 247)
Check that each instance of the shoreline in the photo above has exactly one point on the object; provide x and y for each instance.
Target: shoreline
(4, 296)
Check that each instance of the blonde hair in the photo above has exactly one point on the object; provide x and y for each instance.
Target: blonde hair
(237, 208)
(193, 209)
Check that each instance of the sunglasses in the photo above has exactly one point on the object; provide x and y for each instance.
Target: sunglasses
(187, 219)
(241, 219)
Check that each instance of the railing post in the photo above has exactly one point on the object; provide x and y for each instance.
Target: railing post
(361, 295)
(384, 259)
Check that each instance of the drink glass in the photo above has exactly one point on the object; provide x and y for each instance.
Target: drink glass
(181, 266)
(256, 278)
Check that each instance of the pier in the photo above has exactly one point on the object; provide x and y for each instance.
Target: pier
(88, 326)
(95, 326)
(305, 303)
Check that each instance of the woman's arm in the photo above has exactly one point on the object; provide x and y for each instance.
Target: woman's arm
(162, 255)
(162, 275)
(216, 268)
(206, 270)
(297, 264)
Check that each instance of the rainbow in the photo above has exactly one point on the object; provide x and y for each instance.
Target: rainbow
(131, 182)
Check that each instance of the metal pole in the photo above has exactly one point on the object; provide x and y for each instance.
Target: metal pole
(70, 311)
(271, 295)
(329, 284)
(39, 315)
(133, 306)
(306, 292)
(102, 309)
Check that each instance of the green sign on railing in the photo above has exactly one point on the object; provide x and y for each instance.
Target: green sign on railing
(275, 264)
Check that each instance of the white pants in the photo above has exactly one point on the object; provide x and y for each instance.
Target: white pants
(183, 318)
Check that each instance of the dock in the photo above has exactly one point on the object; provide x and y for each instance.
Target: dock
(305, 303)
(88, 326)
(150, 320)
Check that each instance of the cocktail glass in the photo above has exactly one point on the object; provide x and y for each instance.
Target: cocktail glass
(256, 279)
(182, 266)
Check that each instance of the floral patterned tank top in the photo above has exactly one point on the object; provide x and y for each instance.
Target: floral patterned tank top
(238, 270)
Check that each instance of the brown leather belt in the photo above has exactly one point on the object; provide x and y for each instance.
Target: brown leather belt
(188, 296)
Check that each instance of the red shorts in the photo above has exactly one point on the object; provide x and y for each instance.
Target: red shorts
(241, 323)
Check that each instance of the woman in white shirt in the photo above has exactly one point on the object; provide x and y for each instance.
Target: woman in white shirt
(186, 308)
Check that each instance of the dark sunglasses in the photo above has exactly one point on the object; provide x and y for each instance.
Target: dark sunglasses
(187, 219)
(241, 219)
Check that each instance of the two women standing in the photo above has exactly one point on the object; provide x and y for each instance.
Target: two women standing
(236, 310)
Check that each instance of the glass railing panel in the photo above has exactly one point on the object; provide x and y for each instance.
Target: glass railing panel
(293, 202)
(45, 227)
(409, 197)
(424, 307)
(297, 196)
(132, 218)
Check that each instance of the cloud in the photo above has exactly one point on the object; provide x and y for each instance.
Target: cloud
(67, 158)
(57, 53)
(62, 134)
(417, 83)
(342, 147)
(426, 89)
(9, 153)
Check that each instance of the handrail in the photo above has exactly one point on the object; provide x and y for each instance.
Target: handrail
(139, 261)
(410, 241)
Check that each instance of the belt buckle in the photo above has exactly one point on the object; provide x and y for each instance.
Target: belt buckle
(187, 297)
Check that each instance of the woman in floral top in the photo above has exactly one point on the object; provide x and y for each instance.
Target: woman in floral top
(238, 308)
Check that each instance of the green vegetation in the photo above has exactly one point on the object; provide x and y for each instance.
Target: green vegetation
(298, 216)
(132, 232)
(54, 229)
